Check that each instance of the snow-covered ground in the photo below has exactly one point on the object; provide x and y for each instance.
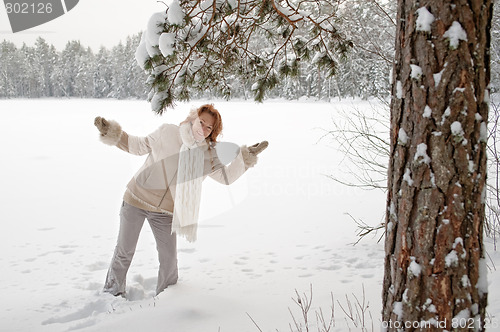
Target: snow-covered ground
(281, 227)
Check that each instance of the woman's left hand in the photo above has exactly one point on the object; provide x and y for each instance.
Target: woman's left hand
(258, 148)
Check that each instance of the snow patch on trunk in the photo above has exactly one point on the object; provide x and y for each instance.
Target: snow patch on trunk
(455, 34)
(424, 20)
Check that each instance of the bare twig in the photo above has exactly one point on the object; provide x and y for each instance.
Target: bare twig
(357, 313)
(363, 141)
(365, 229)
(256, 325)
(323, 325)
(492, 224)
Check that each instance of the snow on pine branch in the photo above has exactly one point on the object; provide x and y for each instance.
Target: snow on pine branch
(200, 45)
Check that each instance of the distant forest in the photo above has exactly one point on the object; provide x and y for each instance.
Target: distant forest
(78, 71)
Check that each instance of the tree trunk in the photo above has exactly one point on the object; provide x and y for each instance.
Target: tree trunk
(434, 257)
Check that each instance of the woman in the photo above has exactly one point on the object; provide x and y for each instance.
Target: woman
(167, 188)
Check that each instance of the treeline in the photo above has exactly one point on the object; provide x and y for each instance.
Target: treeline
(76, 71)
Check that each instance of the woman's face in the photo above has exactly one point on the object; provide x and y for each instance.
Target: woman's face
(203, 126)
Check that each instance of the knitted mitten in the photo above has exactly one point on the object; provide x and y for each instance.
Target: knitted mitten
(102, 124)
(258, 148)
(110, 131)
(250, 153)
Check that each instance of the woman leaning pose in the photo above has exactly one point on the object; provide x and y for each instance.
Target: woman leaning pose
(167, 188)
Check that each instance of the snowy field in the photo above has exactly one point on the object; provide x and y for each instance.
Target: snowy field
(281, 227)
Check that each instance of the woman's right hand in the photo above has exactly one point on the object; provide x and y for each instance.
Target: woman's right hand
(102, 124)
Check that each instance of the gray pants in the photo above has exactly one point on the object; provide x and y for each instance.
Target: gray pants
(131, 221)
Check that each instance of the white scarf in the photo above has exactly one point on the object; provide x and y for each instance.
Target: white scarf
(188, 188)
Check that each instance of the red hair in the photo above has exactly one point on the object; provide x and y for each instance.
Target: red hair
(210, 109)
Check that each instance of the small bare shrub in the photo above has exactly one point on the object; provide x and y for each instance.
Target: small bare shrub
(356, 312)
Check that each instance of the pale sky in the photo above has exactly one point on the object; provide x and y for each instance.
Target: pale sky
(93, 22)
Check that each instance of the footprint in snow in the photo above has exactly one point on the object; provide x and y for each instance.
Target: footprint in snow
(97, 266)
(352, 260)
(239, 263)
(364, 265)
(375, 254)
(306, 275)
(65, 246)
(64, 252)
(330, 267)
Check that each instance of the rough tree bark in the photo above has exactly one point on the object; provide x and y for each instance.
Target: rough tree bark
(434, 256)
